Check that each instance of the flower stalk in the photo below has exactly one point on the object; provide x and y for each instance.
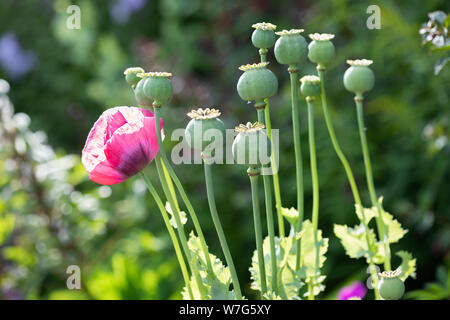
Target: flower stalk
(176, 180)
(273, 162)
(172, 234)
(370, 183)
(350, 177)
(293, 72)
(253, 173)
(217, 224)
(269, 212)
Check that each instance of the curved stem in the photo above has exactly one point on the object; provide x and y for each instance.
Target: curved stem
(219, 229)
(273, 162)
(293, 71)
(180, 189)
(180, 227)
(335, 142)
(371, 186)
(172, 234)
(269, 214)
(258, 232)
(350, 176)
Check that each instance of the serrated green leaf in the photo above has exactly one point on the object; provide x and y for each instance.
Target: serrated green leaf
(291, 215)
(309, 252)
(289, 281)
(354, 241)
(218, 283)
(408, 265)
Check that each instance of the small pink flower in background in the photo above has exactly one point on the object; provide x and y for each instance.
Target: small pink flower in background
(121, 143)
(355, 290)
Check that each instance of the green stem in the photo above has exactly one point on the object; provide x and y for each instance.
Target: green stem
(269, 214)
(312, 152)
(371, 186)
(219, 229)
(273, 163)
(172, 234)
(180, 227)
(263, 54)
(335, 142)
(258, 232)
(315, 185)
(180, 189)
(349, 172)
(293, 71)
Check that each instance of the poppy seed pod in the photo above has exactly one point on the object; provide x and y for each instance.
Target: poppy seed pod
(321, 50)
(291, 48)
(140, 96)
(257, 82)
(359, 77)
(157, 86)
(391, 287)
(264, 35)
(131, 75)
(251, 146)
(205, 129)
(310, 86)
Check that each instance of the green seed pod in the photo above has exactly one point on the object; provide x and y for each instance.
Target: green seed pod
(131, 75)
(140, 96)
(264, 35)
(310, 86)
(359, 78)
(321, 50)
(390, 286)
(257, 82)
(158, 86)
(291, 48)
(198, 132)
(251, 146)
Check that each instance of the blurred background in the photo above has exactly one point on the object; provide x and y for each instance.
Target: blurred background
(59, 81)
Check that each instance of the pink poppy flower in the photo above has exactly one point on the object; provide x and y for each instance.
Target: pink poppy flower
(355, 290)
(121, 143)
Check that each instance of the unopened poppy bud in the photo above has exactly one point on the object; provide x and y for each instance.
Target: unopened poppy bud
(321, 50)
(257, 82)
(310, 86)
(264, 35)
(131, 75)
(140, 96)
(291, 48)
(205, 131)
(251, 146)
(359, 78)
(391, 287)
(158, 86)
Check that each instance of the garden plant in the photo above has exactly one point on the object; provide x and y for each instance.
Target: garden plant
(288, 261)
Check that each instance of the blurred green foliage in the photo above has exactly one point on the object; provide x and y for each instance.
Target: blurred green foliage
(115, 234)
